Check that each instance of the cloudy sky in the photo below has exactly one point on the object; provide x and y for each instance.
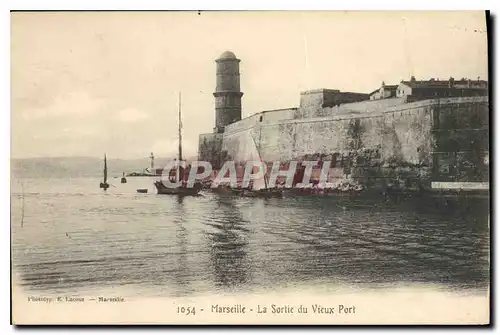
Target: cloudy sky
(84, 83)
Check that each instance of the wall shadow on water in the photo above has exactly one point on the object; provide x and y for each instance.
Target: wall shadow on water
(369, 243)
(227, 241)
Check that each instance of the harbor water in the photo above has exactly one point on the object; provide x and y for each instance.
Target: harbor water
(70, 236)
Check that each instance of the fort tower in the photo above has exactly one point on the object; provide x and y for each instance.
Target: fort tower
(227, 91)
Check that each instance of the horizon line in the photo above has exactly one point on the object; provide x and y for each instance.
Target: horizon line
(98, 157)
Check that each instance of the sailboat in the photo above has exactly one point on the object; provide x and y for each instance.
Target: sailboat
(104, 185)
(123, 180)
(260, 187)
(180, 172)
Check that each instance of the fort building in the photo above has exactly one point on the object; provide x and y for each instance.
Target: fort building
(411, 134)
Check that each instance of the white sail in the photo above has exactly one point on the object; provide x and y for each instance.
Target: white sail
(254, 156)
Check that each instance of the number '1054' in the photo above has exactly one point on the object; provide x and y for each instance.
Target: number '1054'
(186, 310)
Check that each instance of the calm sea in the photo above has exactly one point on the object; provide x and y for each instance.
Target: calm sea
(68, 235)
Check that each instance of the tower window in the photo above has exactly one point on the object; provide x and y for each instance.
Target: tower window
(260, 118)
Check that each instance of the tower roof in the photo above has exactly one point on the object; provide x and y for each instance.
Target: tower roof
(227, 55)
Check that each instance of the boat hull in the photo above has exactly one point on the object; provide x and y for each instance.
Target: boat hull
(181, 190)
(261, 193)
(298, 192)
(223, 191)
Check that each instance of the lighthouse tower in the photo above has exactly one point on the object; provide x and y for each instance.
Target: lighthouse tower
(227, 91)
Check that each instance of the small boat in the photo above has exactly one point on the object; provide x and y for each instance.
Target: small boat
(123, 180)
(142, 190)
(180, 173)
(104, 185)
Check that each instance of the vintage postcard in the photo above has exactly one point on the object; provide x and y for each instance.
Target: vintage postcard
(248, 168)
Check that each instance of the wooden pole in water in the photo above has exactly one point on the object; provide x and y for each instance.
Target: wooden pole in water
(22, 206)
(180, 129)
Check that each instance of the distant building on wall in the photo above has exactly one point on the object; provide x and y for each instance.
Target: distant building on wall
(384, 92)
(414, 89)
(432, 88)
(319, 102)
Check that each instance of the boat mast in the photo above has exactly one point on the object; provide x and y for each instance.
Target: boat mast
(105, 170)
(180, 140)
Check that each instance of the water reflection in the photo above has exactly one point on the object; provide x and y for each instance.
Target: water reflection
(227, 244)
(182, 274)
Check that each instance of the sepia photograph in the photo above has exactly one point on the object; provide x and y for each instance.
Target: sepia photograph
(250, 167)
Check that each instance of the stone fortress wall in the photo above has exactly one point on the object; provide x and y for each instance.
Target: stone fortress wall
(368, 140)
